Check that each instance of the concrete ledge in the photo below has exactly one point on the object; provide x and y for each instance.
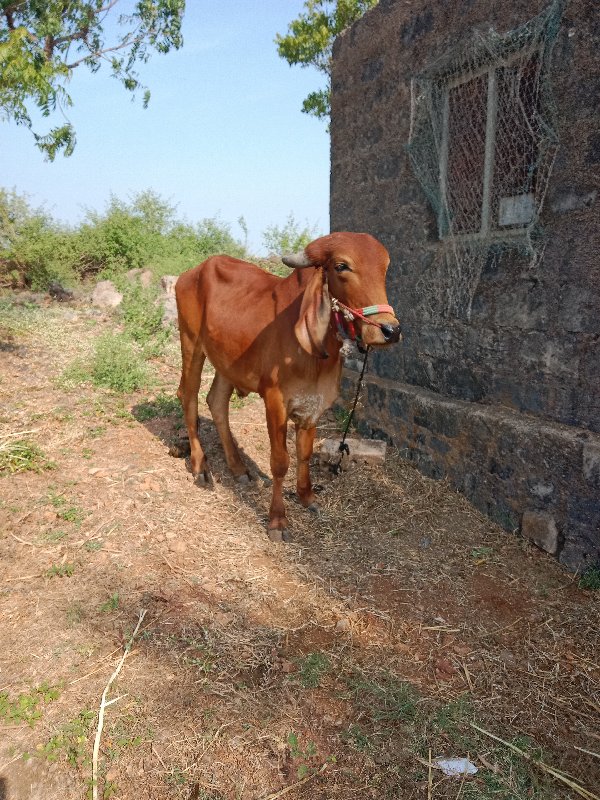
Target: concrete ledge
(367, 452)
(506, 463)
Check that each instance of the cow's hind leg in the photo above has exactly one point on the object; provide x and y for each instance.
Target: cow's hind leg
(305, 439)
(189, 386)
(218, 402)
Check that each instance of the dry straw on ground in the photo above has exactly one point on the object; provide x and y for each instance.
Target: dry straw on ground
(324, 669)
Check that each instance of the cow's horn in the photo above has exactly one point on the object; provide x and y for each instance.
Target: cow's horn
(297, 260)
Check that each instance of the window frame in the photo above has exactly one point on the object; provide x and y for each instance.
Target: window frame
(487, 230)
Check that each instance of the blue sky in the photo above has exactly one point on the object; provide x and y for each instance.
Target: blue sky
(223, 135)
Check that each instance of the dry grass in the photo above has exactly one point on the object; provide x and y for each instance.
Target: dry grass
(334, 667)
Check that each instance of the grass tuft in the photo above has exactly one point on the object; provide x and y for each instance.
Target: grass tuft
(312, 669)
(25, 708)
(21, 455)
(590, 579)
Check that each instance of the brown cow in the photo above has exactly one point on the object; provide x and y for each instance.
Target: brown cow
(277, 336)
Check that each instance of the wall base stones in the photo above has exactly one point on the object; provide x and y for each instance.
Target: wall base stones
(526, 474)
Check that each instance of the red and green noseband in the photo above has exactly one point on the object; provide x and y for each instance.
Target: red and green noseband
(344, 318)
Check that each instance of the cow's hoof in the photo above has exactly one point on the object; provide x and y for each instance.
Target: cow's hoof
(243, 480)
(315, 508)
(277, 535)
(201, 479)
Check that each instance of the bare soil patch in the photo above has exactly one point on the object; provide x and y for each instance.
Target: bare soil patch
(332, 667)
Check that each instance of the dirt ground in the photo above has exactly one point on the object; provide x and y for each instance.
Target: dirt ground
(341, 665)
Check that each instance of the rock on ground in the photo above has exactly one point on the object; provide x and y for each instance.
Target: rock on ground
(105, 295)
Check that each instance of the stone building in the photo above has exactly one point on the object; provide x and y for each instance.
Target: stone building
(466, 137)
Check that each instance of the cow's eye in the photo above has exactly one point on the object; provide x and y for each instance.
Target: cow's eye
(342, 267)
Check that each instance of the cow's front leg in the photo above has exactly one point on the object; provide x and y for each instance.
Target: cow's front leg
(277, 528)
(305, 439)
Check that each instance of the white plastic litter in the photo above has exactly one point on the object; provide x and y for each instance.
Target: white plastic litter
(456, 766)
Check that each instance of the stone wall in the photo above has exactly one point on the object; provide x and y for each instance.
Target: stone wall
(519, 381)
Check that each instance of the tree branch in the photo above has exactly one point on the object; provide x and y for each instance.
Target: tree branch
(100, 53)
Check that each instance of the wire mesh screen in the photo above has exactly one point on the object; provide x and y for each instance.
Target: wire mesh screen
(465, 158)
(482, 144)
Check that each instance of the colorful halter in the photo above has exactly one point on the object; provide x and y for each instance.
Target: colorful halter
(344, 317)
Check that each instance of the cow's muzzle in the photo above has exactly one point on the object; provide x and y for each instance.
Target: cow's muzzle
(391, 333)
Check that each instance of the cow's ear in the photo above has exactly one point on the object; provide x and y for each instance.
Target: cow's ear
(315, 313)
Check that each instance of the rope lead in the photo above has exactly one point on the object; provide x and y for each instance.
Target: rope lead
(343, 448)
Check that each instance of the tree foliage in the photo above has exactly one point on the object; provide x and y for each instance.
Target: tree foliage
(43, 41)
(309, 42)
(289, 238)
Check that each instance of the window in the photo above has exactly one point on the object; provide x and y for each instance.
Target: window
(490, 149)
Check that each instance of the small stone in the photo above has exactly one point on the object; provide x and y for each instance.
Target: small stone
(462, 649)
(541, 529)
(177, 546)
(342, 625)
(223, 618)
(445, 667)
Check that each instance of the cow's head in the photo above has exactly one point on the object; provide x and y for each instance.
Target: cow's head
(353, 268)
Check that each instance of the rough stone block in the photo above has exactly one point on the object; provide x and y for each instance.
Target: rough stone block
(369, 452)
(105, 295)
(591, 464)
(541, 529)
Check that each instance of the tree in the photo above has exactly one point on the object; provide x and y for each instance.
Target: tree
(43, 41)
(309, 42)
(288, 239)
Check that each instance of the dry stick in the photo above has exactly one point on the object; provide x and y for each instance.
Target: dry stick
(560, 776)
(18, 433)
(99, 665)
(293, 786)
(430, 778)
(103, 705)
(589, 752)
(23, 541)
(467, 675)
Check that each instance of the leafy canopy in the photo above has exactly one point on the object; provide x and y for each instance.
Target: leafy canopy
(309, 42)
(43, 41)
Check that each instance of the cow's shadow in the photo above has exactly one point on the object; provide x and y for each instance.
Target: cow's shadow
(170, 430)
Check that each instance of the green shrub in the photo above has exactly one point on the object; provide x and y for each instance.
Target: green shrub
(142, 233)
(33, 248)
(117, 365)
(141, 312)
